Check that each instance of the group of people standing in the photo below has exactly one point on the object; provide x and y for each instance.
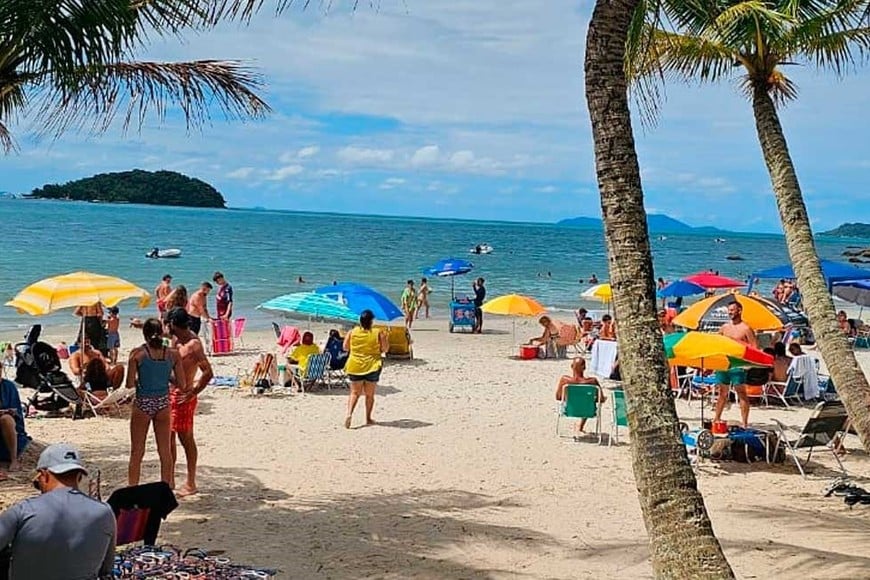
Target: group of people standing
(196, 304)
(415, 300)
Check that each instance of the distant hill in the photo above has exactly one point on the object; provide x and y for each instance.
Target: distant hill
(657, 223)
(137, 186)
(855, 230)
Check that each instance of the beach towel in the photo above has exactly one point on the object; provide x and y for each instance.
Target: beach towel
(603, 357)
(224, 382)
(139, 510)
(221, 337)
(803, 368)
(289, 337)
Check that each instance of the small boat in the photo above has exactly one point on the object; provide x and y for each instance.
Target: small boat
(735, 258)
(167, 253)
(480, 249)
(720, 240)
(662, 238)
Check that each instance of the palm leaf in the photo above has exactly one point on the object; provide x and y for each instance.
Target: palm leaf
(96, 95)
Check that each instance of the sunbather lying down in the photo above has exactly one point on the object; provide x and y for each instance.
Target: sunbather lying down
(578, 369)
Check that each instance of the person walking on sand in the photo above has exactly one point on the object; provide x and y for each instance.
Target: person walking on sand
(423, 297)
(409, 303)
(479, 297)
(735, 378)
(197, 307)
(223, 299)
(365, 346)
(161, 291)
(150, 368)
(182, 404)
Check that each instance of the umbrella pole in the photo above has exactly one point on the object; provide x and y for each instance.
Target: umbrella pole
(452, 289)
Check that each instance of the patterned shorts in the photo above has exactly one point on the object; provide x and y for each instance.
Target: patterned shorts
(182, 413)
(152, 405)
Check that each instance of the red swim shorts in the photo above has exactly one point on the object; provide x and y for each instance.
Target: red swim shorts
(181, 413)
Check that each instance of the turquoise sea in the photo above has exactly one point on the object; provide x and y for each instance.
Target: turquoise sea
(262, 253)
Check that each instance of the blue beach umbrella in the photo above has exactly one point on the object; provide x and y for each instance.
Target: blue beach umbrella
(359, 297)
(450, 267)
(310, 304)
(680, 288)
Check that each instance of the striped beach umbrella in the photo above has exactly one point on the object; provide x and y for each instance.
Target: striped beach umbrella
(759, 313)
(76, 289)
(714, 352)
(601, 292)
(310, 304)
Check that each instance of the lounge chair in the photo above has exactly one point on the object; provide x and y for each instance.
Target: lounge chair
(620, 416)
(113, 400)
(581, 402)
(400, 343)
(316, 372)
(827, 423)
(265, 369)
(338, 358)
(791, 389)
(239, 329)
(221, 342)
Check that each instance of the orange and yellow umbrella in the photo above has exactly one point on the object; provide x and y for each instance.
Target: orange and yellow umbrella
(76, 289)
(759, 313)
(514, 305)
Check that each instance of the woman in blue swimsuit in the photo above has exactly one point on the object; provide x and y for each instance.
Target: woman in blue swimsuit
(150, 368)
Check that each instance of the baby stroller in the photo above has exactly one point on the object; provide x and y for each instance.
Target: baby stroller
(37, 366)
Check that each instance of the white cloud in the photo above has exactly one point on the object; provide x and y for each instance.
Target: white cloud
(308, 151)
(392, 182)
(285, 172)
(546, 189)
(240, 173)
(363, 156)
(426, 156)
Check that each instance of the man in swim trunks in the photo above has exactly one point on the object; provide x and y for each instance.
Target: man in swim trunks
(78, 362)
(735, 378)
(161, 292)
(223, 300)
(183, 405)
(197, 307)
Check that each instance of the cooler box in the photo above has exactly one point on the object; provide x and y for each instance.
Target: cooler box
(528, 352)
(461, 314)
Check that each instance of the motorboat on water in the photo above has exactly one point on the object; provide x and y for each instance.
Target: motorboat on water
(720, 240)
(480, 249)
(167, 253)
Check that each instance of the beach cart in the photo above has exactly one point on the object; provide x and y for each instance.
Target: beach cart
(461, 314)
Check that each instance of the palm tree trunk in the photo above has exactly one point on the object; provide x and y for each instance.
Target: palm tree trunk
(848, 378)
(682, 543)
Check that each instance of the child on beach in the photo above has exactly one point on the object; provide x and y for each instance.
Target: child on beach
(113, 336)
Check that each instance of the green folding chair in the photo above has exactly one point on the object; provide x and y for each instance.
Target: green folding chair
(580, 402)
(620, 416)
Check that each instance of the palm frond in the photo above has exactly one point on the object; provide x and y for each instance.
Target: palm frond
(748, 24)
(95, 95)
(837, 51)
(684, 57)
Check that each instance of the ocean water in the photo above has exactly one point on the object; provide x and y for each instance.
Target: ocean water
(262, 253)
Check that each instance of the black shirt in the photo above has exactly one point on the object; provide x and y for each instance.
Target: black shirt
(479, 295)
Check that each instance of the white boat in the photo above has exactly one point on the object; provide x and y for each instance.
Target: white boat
(168, 253)
(720, 240)
(480, 249)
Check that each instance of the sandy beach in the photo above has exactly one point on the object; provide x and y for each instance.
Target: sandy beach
(463, 477)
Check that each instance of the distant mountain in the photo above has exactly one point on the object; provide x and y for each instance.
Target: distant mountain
(855, 230)
(657, 223)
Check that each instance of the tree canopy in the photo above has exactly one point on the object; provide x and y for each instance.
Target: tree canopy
(137, 186)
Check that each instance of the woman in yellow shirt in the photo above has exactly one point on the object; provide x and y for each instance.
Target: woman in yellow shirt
(364, 363)
(302, 352)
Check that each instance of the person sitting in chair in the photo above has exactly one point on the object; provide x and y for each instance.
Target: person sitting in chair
(577, 377)
(78, 362)
(13, 437)
(96, 378)
(335, 347)
(301, 353)
(551, 330)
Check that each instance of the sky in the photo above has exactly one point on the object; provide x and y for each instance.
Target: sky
(466, 109)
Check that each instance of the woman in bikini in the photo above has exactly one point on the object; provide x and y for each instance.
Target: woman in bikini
(149, 371)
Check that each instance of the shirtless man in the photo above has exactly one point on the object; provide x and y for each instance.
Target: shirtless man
(578, 368)
(79, 360)
(161, 292)
(423, 298)
(735, 378)
(93, 325)
(183, 405)
(197, 307)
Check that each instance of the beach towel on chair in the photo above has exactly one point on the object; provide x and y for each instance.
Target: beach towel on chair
(221, 337)
(289, 337)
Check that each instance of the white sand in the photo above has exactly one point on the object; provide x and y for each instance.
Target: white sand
(463, 478)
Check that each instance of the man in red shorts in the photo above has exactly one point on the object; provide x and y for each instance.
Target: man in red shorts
(183, 405)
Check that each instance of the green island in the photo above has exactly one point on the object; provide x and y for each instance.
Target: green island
(853, 230)
(137, 186)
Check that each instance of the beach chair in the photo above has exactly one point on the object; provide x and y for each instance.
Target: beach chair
(823, 429)
(316, 372)
(619, 417)
(338, 358)
(265, 369)
(239, 329)
(113, 400)
(790, 389)
(581, 402)
(400, 343)
(221, 338)
(277, 330)
(287, 338)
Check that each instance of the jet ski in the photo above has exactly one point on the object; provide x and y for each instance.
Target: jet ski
(168, 253)
(481, 249)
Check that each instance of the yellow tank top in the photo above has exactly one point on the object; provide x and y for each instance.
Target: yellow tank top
(365, 352)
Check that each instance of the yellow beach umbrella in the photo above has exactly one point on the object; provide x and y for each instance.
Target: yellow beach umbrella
(514, 305)
(601, 292)
(76, 289)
